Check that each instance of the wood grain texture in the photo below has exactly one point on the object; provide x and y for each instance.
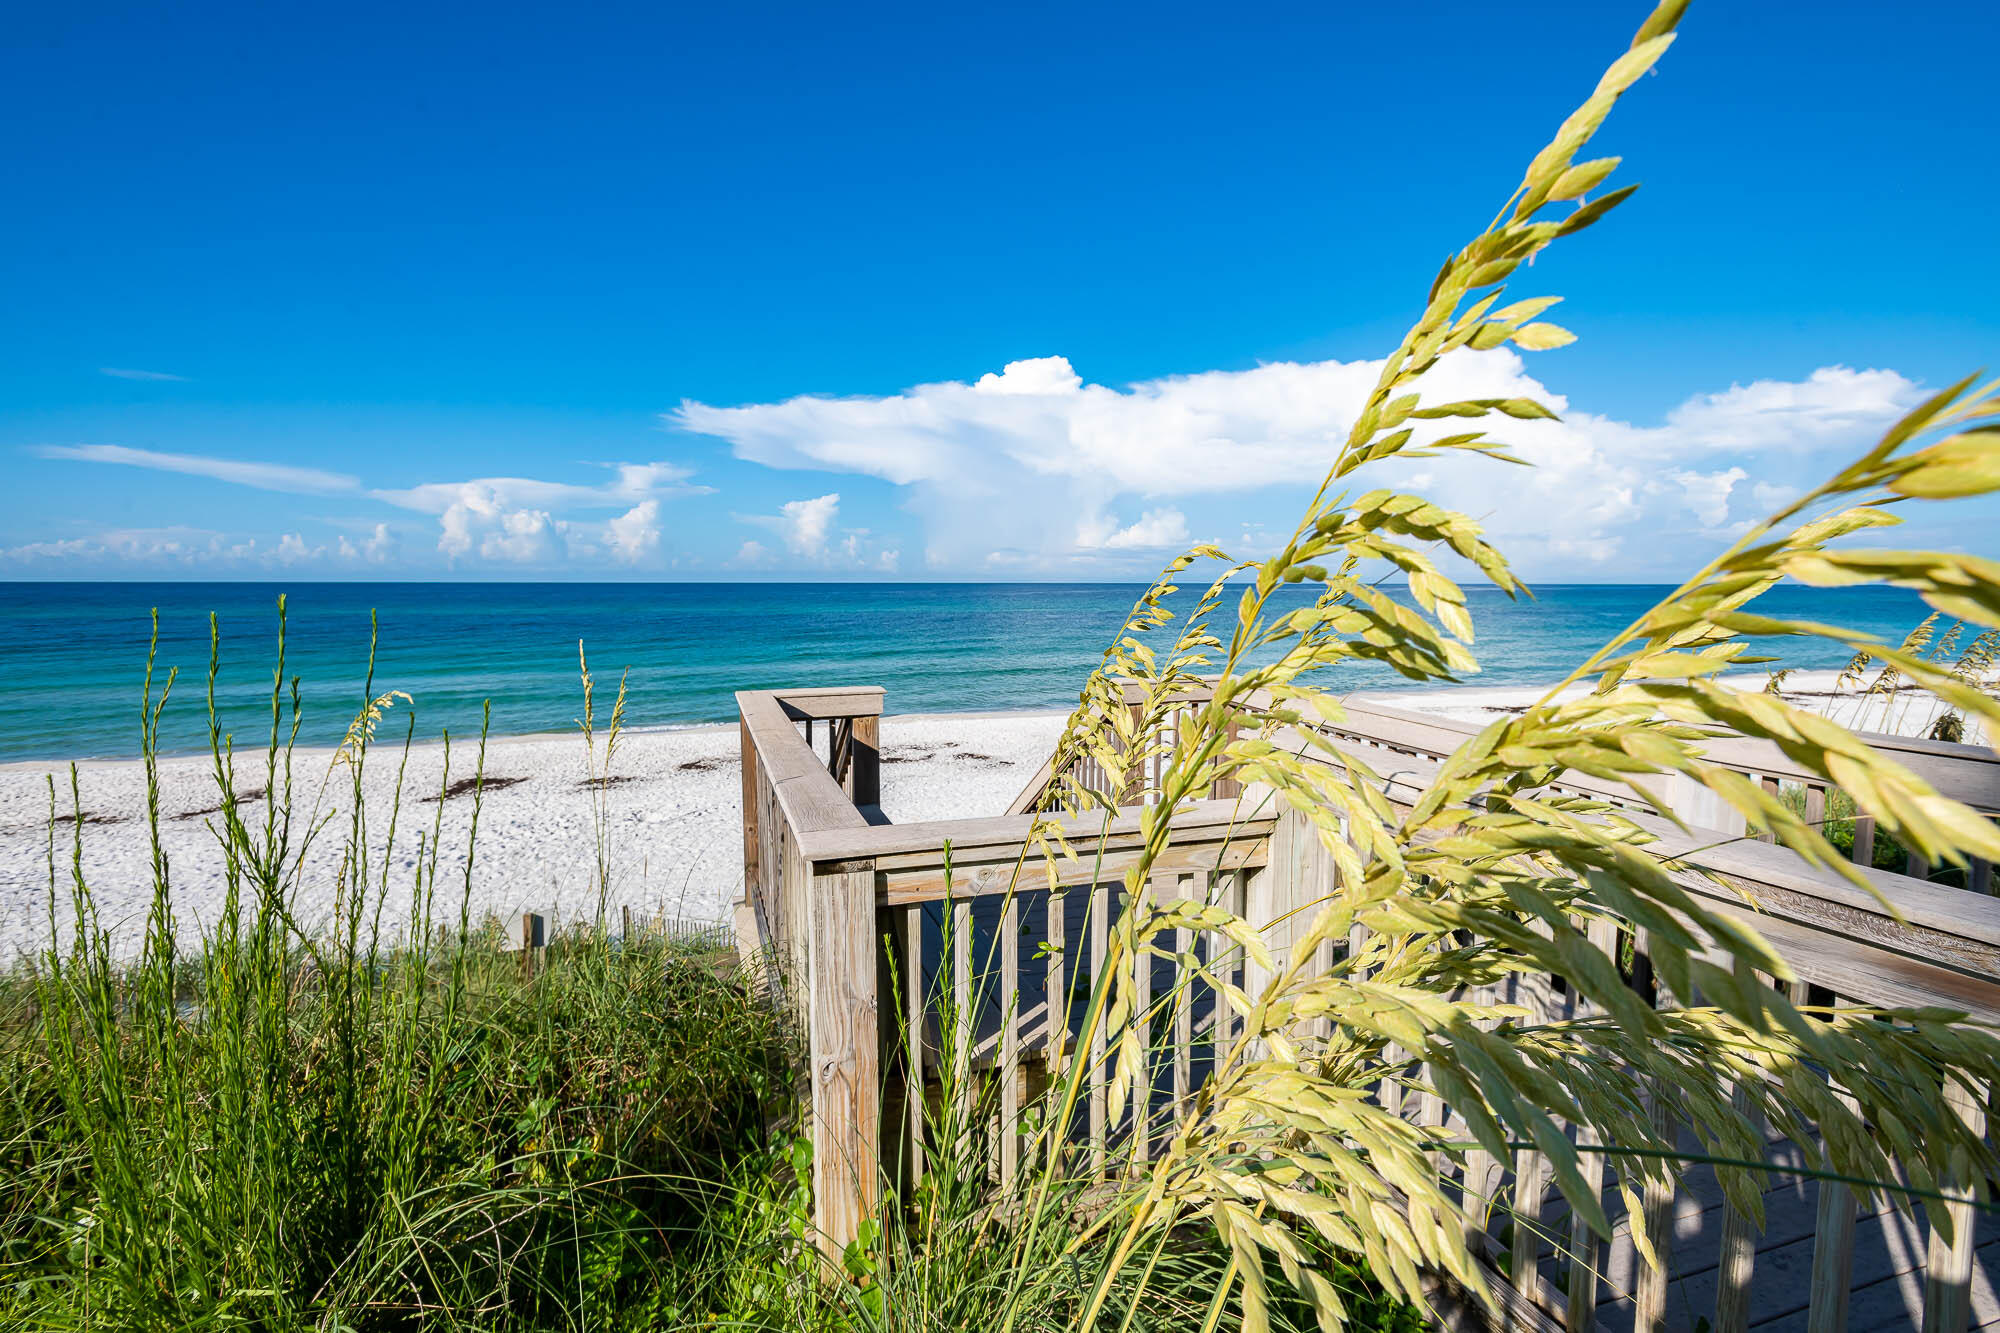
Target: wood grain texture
(864, 774)
(1833, 1256)
(749, 770)
(1738, 1257)
(1100, 938)
(916, 1017)
(1009, 1072)
(845, 1042)
(1948, 1275)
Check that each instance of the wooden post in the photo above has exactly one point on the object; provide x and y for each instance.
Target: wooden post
(1010, 1035)
(916, 1015)
(846, 1043)
(749, 766)
(1526, 1203)
(1816, 809)
(1229, 788)
(1739, 1252)
(1651, 1313)
(864, 768)
(1134, 792)
(892, 947)
(1833, 1255)
(1770, 786)
(1100, 944)
(1864, 840)
(534, 940)
(1948, 1274)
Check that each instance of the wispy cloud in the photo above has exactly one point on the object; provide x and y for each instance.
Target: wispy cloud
(515, 520)
(169, 546)
(155, 376)
(241, 472)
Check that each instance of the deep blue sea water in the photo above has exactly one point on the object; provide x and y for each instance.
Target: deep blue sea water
(72, 655)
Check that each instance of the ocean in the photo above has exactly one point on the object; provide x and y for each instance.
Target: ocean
(73, 655)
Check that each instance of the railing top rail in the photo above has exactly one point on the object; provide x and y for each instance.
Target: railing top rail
(837, 701)
(830, 830)
(811, 798)
(1969, 774)
(1928, 944)
(971, 839)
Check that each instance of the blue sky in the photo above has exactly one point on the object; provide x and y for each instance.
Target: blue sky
(659, 292)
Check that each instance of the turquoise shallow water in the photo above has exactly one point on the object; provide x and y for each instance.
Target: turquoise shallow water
(72, 655)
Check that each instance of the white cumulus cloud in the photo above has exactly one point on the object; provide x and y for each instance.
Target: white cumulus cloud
(803, 525)
(635, 534)
(1030, 467)
(1156, 528)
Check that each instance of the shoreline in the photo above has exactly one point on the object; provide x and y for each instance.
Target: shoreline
(1464, 698)
(11, 766)
(672, 815)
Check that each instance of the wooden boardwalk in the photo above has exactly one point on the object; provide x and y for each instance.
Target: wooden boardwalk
(827, 882)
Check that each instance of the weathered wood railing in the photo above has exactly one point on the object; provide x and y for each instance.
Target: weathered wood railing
(827, 884)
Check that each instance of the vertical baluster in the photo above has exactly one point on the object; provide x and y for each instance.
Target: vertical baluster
(1100, 933)
(1979, 875)
(1833, 1254)
(1055, 1023)
(1770, 786)
(1864, 840)
(1480, 1175)
(1585, 1245)
(1948, 1274)
(1816, 808)
(915, 1016)
(1388, 1092)
(1055, 1000)
(1480, 1181)
(1183, 1011)
(1010, 1035)
(1529, 1173)
(1659, 1216)
(1229, 788)
(964, 1016)
(1229, 892)
(1142, 1019)
(1739, 1254)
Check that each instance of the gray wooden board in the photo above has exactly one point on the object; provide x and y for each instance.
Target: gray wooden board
(1889, 1255)
(1031, 1003)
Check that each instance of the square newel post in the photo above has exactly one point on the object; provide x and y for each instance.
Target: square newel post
(864, 766)
(846, 1071)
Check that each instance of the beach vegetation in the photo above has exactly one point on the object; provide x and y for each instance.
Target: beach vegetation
(1483, 874)
(382, 1121)
(341, 1124)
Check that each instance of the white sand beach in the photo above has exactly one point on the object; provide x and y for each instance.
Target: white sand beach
(674, 831)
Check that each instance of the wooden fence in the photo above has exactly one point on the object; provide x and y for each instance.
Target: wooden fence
(828, 881)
